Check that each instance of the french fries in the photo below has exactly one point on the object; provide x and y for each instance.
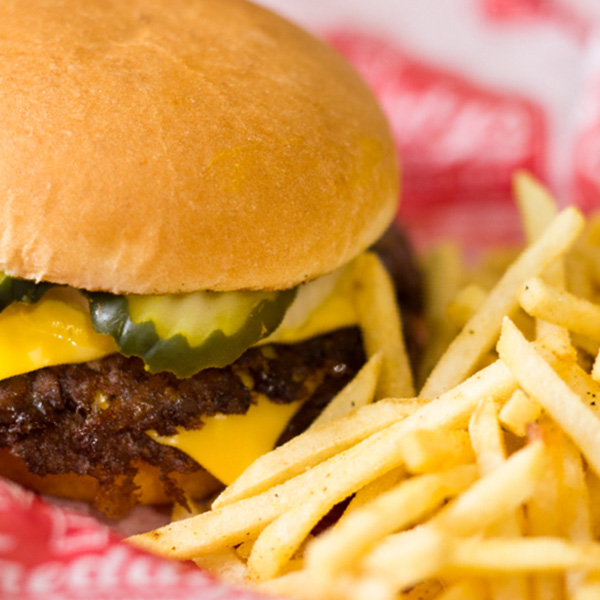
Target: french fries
(480, 332)
(381, 327)
(484, 486)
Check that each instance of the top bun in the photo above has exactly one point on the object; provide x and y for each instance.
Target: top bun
(166, 146)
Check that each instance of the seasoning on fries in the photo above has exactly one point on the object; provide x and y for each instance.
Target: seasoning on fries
(485, 484)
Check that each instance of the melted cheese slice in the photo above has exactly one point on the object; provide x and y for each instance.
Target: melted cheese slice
(58, 330)
(52, 332)
(227, 444)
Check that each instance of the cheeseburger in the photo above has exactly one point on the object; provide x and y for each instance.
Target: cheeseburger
(184, 185)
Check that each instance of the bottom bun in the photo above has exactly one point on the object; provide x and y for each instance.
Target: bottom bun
(150, 489)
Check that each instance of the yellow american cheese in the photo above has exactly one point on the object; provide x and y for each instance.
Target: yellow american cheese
(53, 331)
(227, 444)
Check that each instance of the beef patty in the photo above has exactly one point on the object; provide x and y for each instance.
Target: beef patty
(92, 418)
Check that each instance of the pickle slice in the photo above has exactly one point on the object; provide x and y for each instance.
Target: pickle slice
(186, 333)
(13, 289)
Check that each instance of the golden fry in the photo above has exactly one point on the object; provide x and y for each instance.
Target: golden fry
(481, 332)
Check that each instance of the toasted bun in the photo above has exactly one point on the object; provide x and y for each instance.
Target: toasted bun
(155, 146)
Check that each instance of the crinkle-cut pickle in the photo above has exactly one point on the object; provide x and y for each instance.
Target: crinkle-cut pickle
(13, 289)
(185, 334)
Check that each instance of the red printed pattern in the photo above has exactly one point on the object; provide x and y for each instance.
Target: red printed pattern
(47, 552)
(460, 142)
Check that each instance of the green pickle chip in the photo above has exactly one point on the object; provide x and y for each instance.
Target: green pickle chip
(13, 289)
(186, 333)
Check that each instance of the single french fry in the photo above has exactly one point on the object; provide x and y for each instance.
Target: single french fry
(540, 381)
(380, 323)
(376, 488)
(574, 376)
(465, 304)
(486, 437)
(596, 369)
(465, 589)
(593, 488)
(244, 549)
(298, 585)
(410, 556)
(428, 552)
(353, 535)
(480, 333)
(489, 447)
(574, 506)
(561, 308)
(226, 565)
(578, 275)
(425, 451)
(179, 512)
(442, 274)
(538, 208)
(475, 556)
(588, 589)
(536, 205)
(278, 542)
(544, 517)
(519, 412)
(359, 392)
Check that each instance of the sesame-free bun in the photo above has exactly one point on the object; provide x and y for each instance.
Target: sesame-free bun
(165, 146)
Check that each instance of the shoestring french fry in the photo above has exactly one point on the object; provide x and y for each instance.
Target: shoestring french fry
(574, 505)
(574, 376)
(465, 304)
(536, 205)
(488, 443)
(561, 308)
(588, 589)
(298, 585)
(542, 554)
(519, 412)
(375, 488)
(540, 381)
(380, 323)
(278, 542)
(538, 208)
(442, 276)
(426, 451)
(543, 508)
(596, 368)
(226, 565)
(481, 331)
(466, 589)
(486, 437)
